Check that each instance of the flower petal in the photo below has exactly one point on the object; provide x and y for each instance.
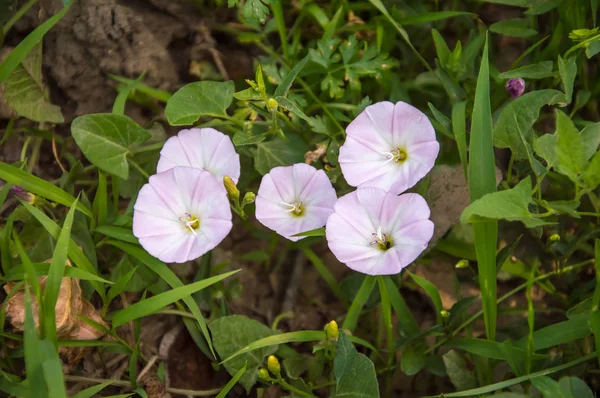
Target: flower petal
(373, 126)
(410, 126)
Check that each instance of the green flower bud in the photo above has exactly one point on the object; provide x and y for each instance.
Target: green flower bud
(332, 331)
(249, 197)
(263, 374)
(554, 238)
(232, 191)
(444, 314)
(273, 365)
(462, 264)
(272, 104)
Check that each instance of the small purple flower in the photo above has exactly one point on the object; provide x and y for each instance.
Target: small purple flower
(515, 87)
(378, 233)
(294, 199)
(389, 147)
(181, 214)
(204, 148)
(23, 194)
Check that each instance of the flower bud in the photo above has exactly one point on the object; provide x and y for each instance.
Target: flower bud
(444, 314)
(272, 104)
(462, 264)
(554, 238)
(232, 191)
(332, 330)
(515, 87)
(249, 197)
(273, 365)
(22, 194)
(263, 374)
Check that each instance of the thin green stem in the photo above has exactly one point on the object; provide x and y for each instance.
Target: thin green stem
(139, 168)
(148, 148)
(505, 297)
(280, 20)
(184, 314)
(17, 16)
(291, 388)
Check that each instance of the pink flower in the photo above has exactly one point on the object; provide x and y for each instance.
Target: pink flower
(294, 199)
(181, 214)
(389, 147)
(378, 233)
(515, 87)
(205, 148)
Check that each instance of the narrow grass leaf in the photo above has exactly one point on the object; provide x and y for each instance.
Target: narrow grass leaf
(18, 273)
(158, 302)
(33, 360)
(432, 17)
(406, 320)
(326, 275)
(231, 383)
(5, 251)
(313, 232)
(432, 291)
(119, 285)
(168, 276)
(38, 186)
(55, 275)
(27, 44)
(116, 233)
(564, 332)
(74, 253)
(489, 349)
(359, 301)
(160, 95)
(119, 104)
(52, 370)
(31, 276)
(286, 83)
(92, 391)
(100, 205)
(595, 320)
(459, 128)
(482, 180)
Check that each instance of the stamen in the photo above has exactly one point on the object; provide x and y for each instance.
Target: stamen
(192, 223)
(296, 208)
(398, 155)
(381, 240)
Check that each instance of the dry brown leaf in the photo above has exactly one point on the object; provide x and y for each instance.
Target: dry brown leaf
(314, 156)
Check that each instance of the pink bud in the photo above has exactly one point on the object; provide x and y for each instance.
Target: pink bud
(515, 87)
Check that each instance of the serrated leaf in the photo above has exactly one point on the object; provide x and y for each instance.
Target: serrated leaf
(25, 94)
(511, 204)
(535, 71)
(198, 99)
(231, 334)
(354, 373)
(105, 139)
(519, 116)
(513, 27)
(279, 152)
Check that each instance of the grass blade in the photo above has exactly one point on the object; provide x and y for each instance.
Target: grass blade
(232, 382)
(158, 302)
(52, 370)
(38, 186)
(406, 320)
(74, 253)
(482, 180)
(27, 44)
(433, 292)
(55, 275)
(116, 233)
(284, 87)
(359, 302)
(100, 205)
(459, 129)
(119, 104)
(33, 360)
(325, 274)
(92, 391)
(595, 319)
(18, 273)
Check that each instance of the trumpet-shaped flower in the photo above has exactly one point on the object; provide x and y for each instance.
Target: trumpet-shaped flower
(294, 199)
(181, 213)
(378, 233)
(388, 146)
(205, 148)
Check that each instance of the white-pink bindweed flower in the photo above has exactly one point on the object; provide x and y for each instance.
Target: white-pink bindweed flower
(205, 148)
(181, 213)
(389, 147)
(294, 199)
(378, 233)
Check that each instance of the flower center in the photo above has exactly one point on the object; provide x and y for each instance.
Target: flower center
(295, 208)
(381, 240)
(398, 155)
(191, 222)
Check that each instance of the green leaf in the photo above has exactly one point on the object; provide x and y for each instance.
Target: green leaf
(284, 87)
(38, 186)
(313, 232)
(459, 129)
(575, 387)
(354, 373)
(482, 181)
(591, 175)
(412, 360)
(198, 99)
(105, 139)
(292, 107)
(279, 152)
(559, 333)
(91, 391)
(519, 116)
(432, 291)
(432, 17)
(119, 285)
(442, 50)
(456, 367)
(445, 125)
(570, 150)
(24, 91)
(55, 275)
(18, 273)
(591, 139)
(490, 349)
(511, 204)
(538, 7)
(12, 61)
(231, 383)
(513, 27)
(52, 370)
(545, 146)
(230, 335)
(160, 95)
(32, 343)
(593, 48)
(358, 303)
(567, 71)
(119, 104)
(117, 233)
(535, 71)
(325, 274)
(406, 320)
(548, 387)
(158, 302)
(241, 138)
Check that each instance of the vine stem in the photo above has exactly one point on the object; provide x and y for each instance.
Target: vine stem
(17, 15)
